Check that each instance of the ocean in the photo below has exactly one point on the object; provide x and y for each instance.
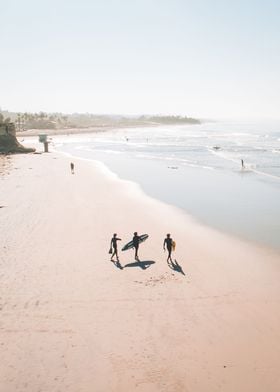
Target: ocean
(198, 168)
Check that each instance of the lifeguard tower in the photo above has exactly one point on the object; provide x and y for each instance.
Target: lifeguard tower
(43, 138)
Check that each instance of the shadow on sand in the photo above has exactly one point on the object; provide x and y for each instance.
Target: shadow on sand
(142, 264)
(175, 266)
(117, 264)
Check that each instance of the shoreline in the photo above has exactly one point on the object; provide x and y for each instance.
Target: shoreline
(70, 316)
(79, 131)
(99, 129)
(108, 172)
(241, 223)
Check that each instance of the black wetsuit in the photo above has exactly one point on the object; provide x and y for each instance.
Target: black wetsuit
(114, 242)
(168, 242)
(136, 241)
(115, 247)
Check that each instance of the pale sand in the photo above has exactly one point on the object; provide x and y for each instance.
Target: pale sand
(71, 321)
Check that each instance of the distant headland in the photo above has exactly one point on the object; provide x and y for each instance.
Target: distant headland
(52, 121)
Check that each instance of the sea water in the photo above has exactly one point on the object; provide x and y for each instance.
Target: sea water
(198, 169)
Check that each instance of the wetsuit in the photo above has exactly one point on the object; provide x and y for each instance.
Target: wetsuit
(135, 241)
(115, 247)
(168, 243)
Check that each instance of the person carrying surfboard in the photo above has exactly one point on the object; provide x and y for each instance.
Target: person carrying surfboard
(136, 241)
(170, 245)
(114, 246)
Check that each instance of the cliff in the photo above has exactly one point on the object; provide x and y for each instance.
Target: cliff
(8, 140)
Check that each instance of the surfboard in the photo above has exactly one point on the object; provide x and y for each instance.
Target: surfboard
(173, 245)
(129, 245)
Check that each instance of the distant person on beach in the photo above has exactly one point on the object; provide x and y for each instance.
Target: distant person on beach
(72, 167)
(114, 247)
(242, 164)
(168, 244)
(136, 241)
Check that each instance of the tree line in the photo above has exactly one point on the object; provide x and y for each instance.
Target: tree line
(43, 120)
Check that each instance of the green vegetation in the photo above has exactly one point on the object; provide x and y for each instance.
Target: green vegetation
(42, 120)
(170, 119)
(8, 141)
(4, 120)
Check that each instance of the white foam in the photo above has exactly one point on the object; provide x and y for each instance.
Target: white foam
(265, 174)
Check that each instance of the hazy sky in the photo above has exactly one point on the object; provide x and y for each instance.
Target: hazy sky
(202, 58)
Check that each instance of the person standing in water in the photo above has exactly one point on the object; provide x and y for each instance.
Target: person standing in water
(168, 244)
(114, 246)
(136, 241)
(242, 164)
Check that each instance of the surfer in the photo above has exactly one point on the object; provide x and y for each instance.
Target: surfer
(72, 167)
(114, 246)
(242, 164)
(136, 240)
(168, 243)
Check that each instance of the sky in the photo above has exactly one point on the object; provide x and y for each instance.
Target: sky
(199, 58)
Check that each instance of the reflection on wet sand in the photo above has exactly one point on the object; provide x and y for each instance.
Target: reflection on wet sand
(6, 164)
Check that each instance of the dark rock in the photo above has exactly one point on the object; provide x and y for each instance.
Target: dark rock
(8, 141)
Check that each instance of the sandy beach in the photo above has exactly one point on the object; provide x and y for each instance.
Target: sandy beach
(71, 320)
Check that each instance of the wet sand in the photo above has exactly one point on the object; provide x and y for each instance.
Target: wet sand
(71, 320)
